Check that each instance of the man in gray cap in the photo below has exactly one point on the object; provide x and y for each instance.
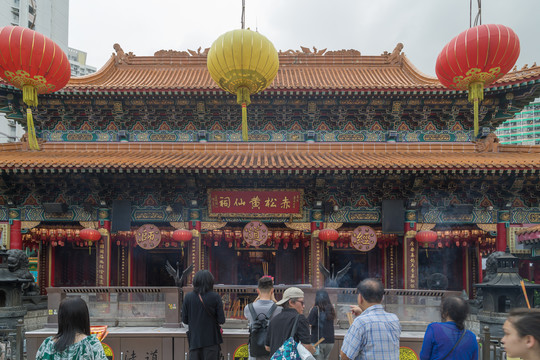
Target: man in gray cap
(282, 324)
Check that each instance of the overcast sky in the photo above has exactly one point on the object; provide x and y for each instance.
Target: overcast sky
(369, 26)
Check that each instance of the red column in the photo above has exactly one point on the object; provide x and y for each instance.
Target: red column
(15, 235)
(501, 237)
(465, 269)
(106, 225)
(536, 272)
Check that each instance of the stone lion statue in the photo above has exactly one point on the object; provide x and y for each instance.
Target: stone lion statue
(18, 265)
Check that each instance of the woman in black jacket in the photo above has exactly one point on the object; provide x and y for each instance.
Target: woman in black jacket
(203, 312)
(321, 318)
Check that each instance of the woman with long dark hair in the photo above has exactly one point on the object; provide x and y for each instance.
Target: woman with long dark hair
(321, 318)
(203, 312)
(73, 340)
(449, 339)
(522, 334)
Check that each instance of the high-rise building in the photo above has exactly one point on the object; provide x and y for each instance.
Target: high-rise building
(77, 60)
(50, 18)
(47, 17)
(524, 128)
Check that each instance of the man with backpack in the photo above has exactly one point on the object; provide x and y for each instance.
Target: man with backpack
(259, 313)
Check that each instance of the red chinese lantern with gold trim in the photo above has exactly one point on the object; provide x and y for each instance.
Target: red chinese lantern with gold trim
(34, 63)
(476, 58)
(328, 235)
(426, 237)
(90, 235)
(182, 235)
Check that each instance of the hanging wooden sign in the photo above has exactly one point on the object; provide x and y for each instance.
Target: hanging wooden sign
(364, 238)
(255, 203)
(255, 233)
(148, 236)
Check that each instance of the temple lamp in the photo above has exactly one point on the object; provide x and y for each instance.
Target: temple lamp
(329, 235)
(476, 58)
(182, 235)
(90, 235)
(426, 237)
(34, 63)
(243, 62)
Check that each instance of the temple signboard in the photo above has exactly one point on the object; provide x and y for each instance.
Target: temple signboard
(148, 236)
(364, 238)
(255, 203)
(255, 233)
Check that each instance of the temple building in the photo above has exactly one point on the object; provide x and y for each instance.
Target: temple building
(365, 145)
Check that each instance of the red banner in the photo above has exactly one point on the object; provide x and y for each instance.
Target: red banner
(255, 203)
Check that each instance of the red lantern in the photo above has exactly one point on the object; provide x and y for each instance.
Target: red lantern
(90, 235)
(329, 235)
(476, 58)
(35, 64)
(426, 237)
(182, 235)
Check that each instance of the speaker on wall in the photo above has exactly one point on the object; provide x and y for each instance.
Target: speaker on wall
(393, 216)
(121, 216)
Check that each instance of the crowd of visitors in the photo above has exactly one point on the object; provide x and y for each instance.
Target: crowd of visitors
(278, 328)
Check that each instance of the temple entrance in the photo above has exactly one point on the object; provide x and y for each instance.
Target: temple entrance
(149, 266)
(440, 268)
(363, 265)
(245, 265)
(74, 266)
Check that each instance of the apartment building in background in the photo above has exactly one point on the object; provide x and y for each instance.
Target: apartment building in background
(524, 128)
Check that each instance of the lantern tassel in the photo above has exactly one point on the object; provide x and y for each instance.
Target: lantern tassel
(32, 139)
(476, 94)
(242, 98)
(30, 99)
(244, 123)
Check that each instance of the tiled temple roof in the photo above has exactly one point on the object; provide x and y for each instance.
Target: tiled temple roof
(344, 70)
(267, 157)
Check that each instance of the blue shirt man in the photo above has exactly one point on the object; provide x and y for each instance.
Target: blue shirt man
(374, 334)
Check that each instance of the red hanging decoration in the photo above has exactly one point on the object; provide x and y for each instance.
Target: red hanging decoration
(426, 237)
(90, 235)
(476, 58)
(328, 235)
(182, 235)
(35, 64)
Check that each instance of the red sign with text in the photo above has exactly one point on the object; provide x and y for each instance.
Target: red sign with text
(255, 203)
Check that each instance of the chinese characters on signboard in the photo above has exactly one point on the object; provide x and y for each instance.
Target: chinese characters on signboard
(255, 233)
(411, 262)
(363, 238)
(255, 203)
(148, 236)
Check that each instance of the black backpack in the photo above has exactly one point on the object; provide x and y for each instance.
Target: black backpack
(257, 331)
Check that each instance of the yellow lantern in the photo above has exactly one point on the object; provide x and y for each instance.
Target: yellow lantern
(243, 62)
